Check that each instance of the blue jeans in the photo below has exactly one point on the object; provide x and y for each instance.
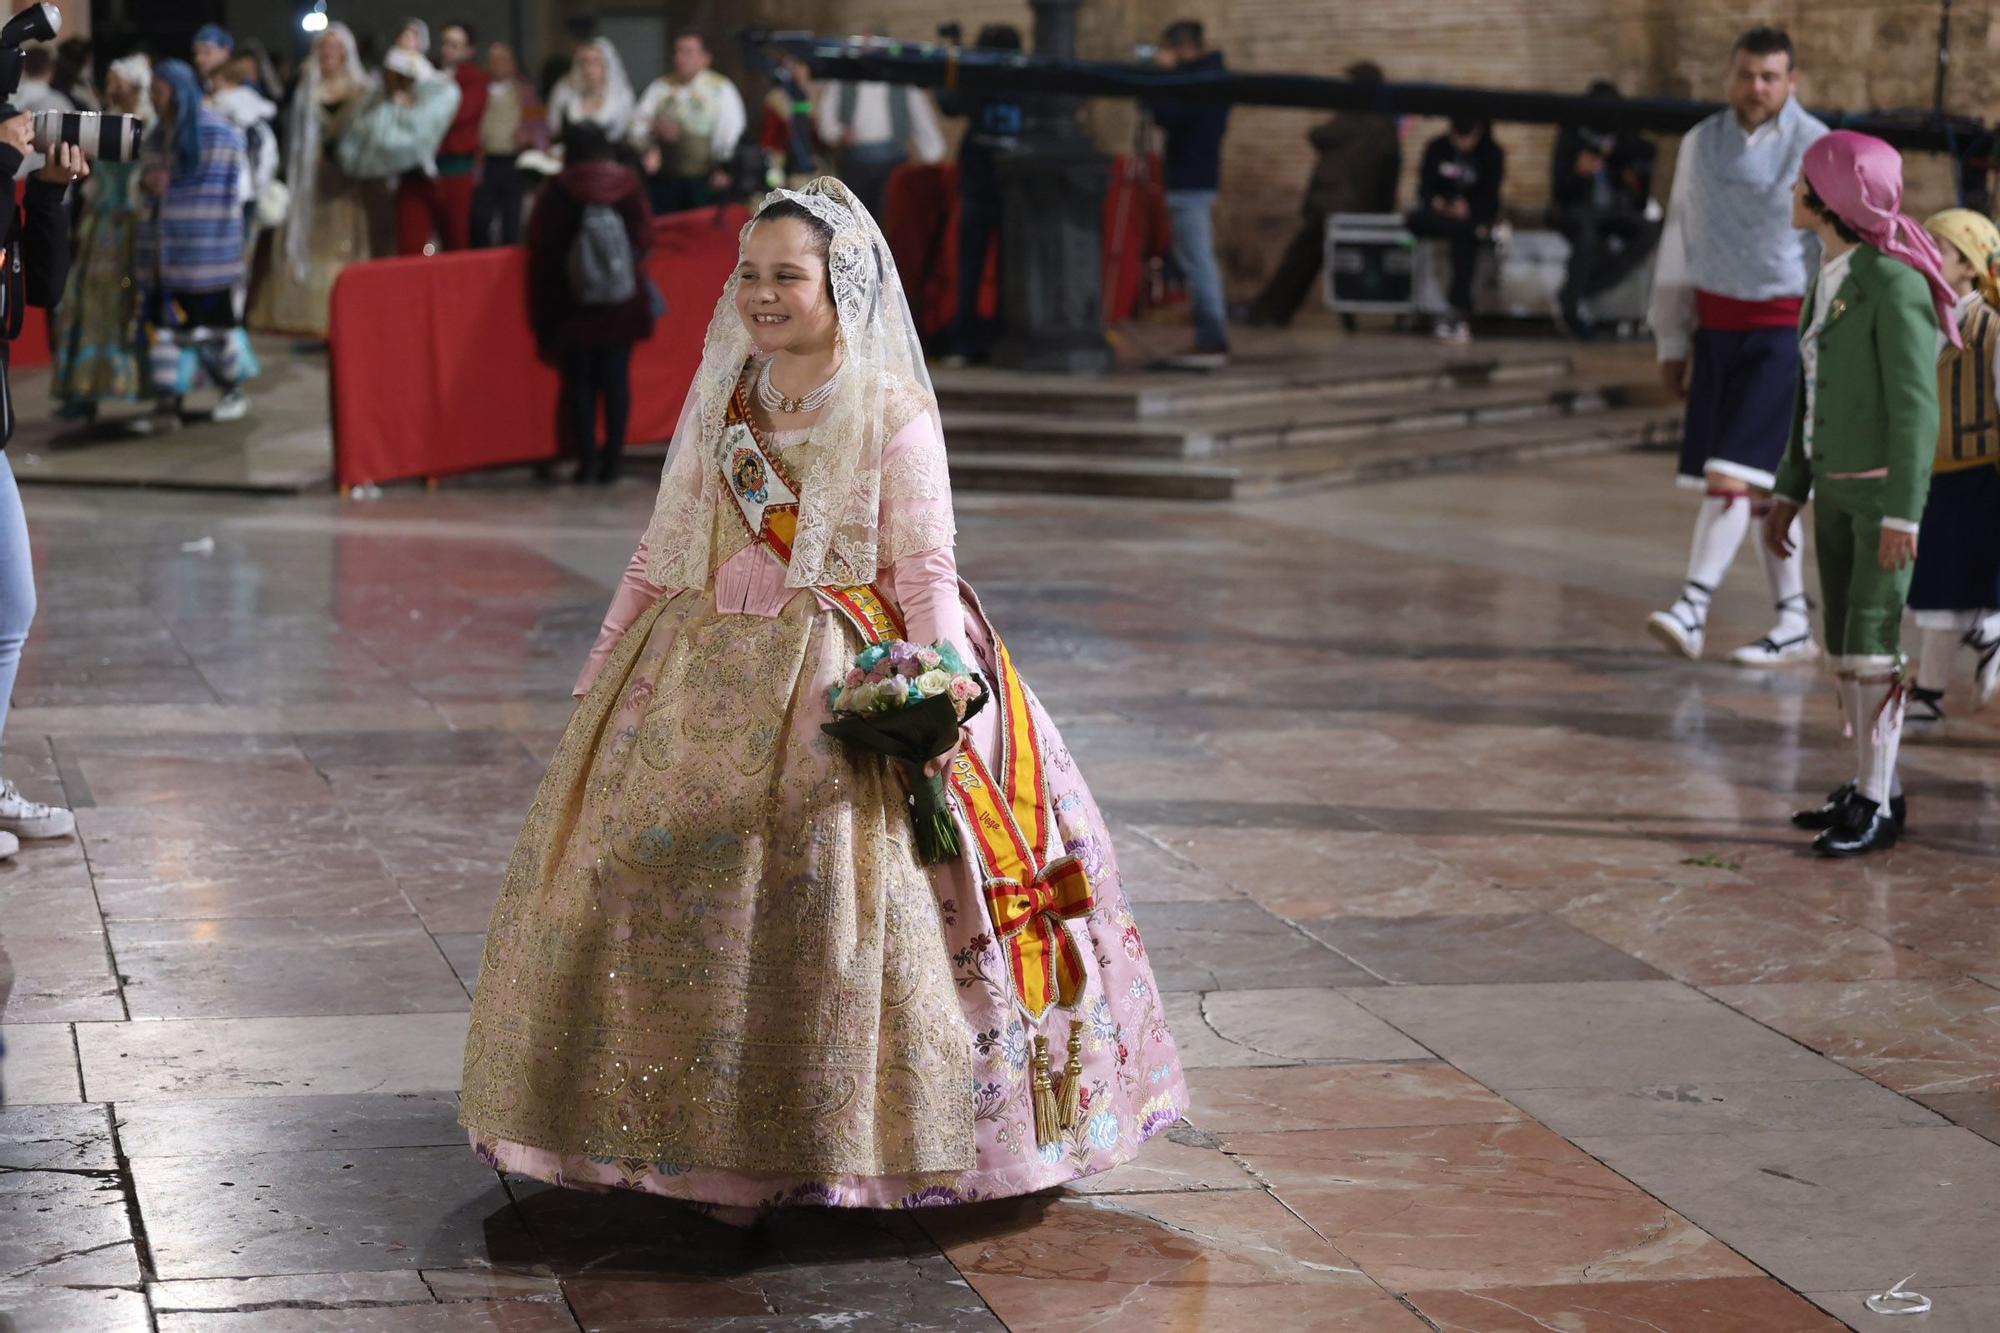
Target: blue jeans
(1194, 251)
(17, 585)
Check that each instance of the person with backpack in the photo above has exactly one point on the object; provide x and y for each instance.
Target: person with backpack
(588, 299)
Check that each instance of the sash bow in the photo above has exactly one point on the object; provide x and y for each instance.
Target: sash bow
(1043, 958)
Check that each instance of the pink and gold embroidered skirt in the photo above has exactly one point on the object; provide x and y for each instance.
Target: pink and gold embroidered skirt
(717, 971)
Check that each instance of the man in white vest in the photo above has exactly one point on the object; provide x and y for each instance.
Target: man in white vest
(875, 126)
(1730, 278)
(686, 129)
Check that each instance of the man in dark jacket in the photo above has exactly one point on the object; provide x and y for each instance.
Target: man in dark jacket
(1359, 160)
(1458, 194)
(34, 240)
(994, 130)
(590, 341)
(1193, 173)
(1600, 182)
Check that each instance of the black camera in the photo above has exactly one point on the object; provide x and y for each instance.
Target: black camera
(111, 138)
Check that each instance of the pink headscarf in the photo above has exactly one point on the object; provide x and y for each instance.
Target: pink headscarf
(1861, 179)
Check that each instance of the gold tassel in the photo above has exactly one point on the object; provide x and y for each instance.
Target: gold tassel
(1069, 1091)
(1047, 1128)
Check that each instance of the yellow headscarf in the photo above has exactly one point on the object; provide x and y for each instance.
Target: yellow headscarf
(1975, 237)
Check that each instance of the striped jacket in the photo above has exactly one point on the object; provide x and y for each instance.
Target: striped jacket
(191, 238)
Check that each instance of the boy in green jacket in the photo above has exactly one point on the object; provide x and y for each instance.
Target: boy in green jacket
(1864, 429)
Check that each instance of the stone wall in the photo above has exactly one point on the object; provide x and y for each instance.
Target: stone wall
(1855, 54)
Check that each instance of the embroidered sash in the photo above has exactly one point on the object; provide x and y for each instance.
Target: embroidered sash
(1029, 887)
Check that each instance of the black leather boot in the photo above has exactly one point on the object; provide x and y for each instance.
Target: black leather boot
(1828, 815)
(1864, 827)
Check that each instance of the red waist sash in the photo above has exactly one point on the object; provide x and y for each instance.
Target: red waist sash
(1726, 314)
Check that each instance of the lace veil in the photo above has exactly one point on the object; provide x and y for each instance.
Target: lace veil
(844, 536)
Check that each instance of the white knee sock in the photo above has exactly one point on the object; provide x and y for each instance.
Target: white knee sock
(1985, 628)
(1878, 735)
(1787, 577)
(1937, 649)
(1719, 530)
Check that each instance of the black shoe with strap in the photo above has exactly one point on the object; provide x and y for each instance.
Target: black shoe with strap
(1924, 705)
(1827, 816)
(1864, 827)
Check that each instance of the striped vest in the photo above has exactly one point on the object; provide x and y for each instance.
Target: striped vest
(1968, 427)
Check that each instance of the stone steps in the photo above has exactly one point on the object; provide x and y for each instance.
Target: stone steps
(1290, 384)
(1220, 436)
(1269, 471)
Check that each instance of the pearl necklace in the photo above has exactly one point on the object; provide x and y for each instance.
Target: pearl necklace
(776, 402)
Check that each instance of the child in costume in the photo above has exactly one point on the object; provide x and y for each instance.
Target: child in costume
(1955, 591)
(1864, 428)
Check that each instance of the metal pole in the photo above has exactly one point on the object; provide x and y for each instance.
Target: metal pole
(1944, 55)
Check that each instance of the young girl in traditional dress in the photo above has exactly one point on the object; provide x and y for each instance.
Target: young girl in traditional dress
(97, 324)
(717, 970)
(1864, 428)
(1955, 592)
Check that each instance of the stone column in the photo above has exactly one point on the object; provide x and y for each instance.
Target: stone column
(1052, 233)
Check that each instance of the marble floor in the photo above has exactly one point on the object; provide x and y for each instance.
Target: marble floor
(1509, 999)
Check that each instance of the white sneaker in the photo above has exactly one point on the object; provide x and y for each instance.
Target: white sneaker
(1771, 651)
(1675, 632)
(23, 818)
(1986, 676)
(235, 406)
(9, 844)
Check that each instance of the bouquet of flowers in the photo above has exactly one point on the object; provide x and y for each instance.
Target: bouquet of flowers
(908, 702)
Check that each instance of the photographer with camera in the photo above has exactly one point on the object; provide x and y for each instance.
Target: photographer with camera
(34, 264)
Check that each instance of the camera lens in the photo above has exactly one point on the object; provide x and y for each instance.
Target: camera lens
(102, 137)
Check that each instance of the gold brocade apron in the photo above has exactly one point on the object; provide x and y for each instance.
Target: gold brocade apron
(714, 946)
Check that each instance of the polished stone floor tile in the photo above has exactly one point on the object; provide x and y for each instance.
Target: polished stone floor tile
(1816, 1208)
(1237, 945)
(58, 976)
(1709, 1305)
(66, 1228)
(404, 1301)
(1480, 947)
(1728, 936)
(377, 1208)
(1464, 1206)
(1183, 1158)
(1314, 873)
(456, 1317)
(249, 1125)
(194, 782)
(1338, 1097)
(271, 1057)
(1721, 1106)
(288, 966)
(1303, 1023)
(56, 1138)
(1233, 1259)
(1917, 1037)
(29, 1307)
(463, 951)
(256, 861)
(39, 1064)
(1976, 1111)
(1592, 1034)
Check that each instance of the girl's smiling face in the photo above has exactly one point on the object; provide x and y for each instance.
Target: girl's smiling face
(781, 291)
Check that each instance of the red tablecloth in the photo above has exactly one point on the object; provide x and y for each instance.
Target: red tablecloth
(434, 369)
(31, 349)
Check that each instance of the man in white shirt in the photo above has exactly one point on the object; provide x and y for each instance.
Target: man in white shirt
(1725, 314)
(874, 127)
(686, 129)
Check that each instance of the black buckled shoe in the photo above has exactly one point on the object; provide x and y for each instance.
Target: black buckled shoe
(1864, 827)
(1828, 815)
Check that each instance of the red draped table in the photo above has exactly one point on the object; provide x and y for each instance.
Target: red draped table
(434, 369)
